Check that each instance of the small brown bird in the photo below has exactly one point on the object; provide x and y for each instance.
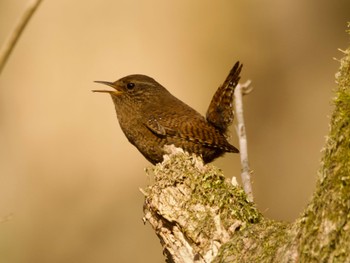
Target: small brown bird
(151, 117)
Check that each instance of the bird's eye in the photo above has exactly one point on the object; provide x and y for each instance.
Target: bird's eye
(130, 85)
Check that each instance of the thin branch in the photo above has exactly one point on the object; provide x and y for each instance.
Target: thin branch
(243, 89)
(10, 43)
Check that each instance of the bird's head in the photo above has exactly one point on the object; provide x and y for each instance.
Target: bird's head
(138, 88)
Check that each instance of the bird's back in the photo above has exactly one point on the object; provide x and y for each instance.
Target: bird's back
(176, 123)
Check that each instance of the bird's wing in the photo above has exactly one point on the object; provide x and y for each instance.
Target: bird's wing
(195, 130)
(153, 124)
(172, 119)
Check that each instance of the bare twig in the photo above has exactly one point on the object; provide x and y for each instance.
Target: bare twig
(6, 218)
(10, 43)
(243, 89)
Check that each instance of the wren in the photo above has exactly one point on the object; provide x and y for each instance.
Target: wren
(151, 117)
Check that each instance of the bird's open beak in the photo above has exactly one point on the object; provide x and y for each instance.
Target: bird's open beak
(111, 84)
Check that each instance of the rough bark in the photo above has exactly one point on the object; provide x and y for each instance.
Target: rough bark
(199, 216)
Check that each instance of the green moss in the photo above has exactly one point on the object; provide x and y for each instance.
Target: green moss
(208, 195)
(263, 240)
(322, 225)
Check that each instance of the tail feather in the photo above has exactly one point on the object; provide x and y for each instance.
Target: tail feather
(220, 110)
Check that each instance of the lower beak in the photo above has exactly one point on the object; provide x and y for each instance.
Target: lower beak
(103, 91)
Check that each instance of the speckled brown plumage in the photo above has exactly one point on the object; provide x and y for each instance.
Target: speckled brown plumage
(151, 117)
(220, 110)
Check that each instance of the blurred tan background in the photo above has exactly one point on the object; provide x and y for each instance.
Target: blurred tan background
(70, 179)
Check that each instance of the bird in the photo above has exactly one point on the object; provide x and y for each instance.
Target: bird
(151, 117)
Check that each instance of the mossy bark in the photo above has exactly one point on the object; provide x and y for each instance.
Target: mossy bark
(324, 229)
(200, 216)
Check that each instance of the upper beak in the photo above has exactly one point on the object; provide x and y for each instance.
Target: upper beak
(111, 84)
